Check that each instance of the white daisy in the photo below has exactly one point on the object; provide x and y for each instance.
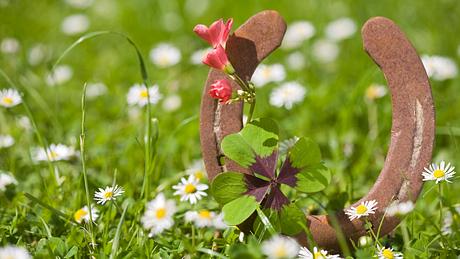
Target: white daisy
(280, 247)
(287, 95)
(448, 220)
(439, 172)
(375, 91)
(60, 75)
(388, 253)
(172, 103)
(75, 24)
(165, 55)
(325, 51)
(439, 68)
(5, 180)
(304, 253)
(400, 208)
(297, 33)
(14, 252)
(83, 214)
(10, 46)
(190, 189)
(24, 122)
(287, 144)
(6, 141)
(202, 218)
(108, 194)
(37, 54)
(340, 29)
(55, 152)
(94, 90)
(218, 221)
(197, 170)
(364, 209)
(197, 57)
(158, 215)
(296, 61)
(81, 4)
(268, 73)
(10, 97)
(138, 95)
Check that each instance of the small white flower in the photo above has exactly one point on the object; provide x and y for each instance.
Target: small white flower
(55, 152)
(190, 189)
(296, 61)
(61, 74)
(340, 29)
(9, 97)
(202, 218)
(304, 253)
(83, 214)
(287, 144)
(5, 180)
(197, 170)
(165, 55)
(449, 220)
(37, 54)
(400, 208)
(287, 95)
(109, 193)
(14, 252)
(94, 90)
(138, 95)
(375, 91)
(10, 45)
(219, 222)
(172, 103)
(325, 51)
(280, 247)
(75, 24)
(158, 215)
(439, 68)
(81, 4)
(297, 33)
(241, 237)
(6, 141)
(364, 209)
(24, 122)
(439, 172)
(268, 73)
(388, 253)
(197, 57)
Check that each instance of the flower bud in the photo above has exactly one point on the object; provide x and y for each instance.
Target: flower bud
(221, 90)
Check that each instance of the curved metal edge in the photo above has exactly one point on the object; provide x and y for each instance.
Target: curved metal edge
(412, 133)
(246, 48)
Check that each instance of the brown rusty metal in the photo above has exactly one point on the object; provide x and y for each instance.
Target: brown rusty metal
(413, 122)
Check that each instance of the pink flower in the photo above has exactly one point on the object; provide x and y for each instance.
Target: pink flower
(217, 58)
(221, 90)
(216, 34)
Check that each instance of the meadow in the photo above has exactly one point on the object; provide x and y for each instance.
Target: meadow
(77, 127)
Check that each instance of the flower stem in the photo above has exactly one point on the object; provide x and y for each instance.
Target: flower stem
(440, 213)
(251, 110)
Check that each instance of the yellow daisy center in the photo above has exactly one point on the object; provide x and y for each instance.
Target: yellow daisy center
(361, 209)
(387, 253)
(108, 195)
(160, 213)
(163, 60)
(80, 214)
(205, 214)
(144, 93)
(53, 155)
(199, 175)
(280, 252)
(190, 188)
(438, 173)
(318, 255)
(7, 100)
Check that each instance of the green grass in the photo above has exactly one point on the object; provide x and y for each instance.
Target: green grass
(38, 214)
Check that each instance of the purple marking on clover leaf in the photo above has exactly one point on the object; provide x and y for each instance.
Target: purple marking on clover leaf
(288, 173)
(265, 166)
(276, 198)
(256, 187)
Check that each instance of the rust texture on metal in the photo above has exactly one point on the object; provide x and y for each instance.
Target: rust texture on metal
(413, 118)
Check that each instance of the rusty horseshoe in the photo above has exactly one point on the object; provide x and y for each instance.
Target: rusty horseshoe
(413, 118)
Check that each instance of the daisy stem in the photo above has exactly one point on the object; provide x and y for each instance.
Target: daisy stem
(371, 231)
(440, 212)
(193, 235)
(83, 163)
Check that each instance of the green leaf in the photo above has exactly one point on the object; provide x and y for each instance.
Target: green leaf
(305, 152)
(259, 137)
(313, 178)
(292, 219)
(238, 210)
(228, 186)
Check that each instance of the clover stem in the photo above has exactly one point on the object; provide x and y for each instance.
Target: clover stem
(251, 110)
